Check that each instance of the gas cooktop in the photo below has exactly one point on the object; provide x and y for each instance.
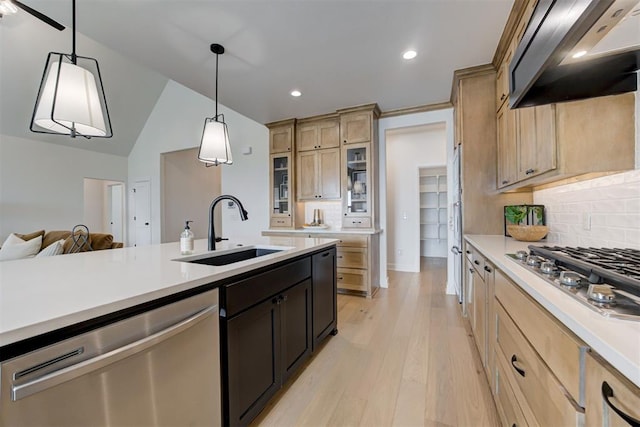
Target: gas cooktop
(605, 280)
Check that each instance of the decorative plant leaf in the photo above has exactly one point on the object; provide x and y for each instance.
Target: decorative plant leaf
(515, 214)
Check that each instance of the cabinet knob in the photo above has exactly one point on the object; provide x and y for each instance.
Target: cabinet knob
(487, 269)
(340, 256)
(468, 252)
(529, 171)
(340, 278)
(476, 262)
(288, 149)
(502, 97)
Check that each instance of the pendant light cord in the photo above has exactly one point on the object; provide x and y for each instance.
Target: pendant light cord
(74, 58)
(217, 55)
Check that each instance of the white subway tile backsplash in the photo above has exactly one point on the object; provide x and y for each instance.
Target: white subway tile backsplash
(612, 203)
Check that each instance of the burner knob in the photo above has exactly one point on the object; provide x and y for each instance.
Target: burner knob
(569, 278)
(522, 255)
(548, 267)
(533, 261)
(601, 293)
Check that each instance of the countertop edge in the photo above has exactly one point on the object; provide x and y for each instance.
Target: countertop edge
(586, 324)
(295, 231)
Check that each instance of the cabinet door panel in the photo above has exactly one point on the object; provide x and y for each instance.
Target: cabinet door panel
(280, 139)
(324, 294)
(355, 128)
(295, 313)
(252, 355)
(507, 151)
(307, 137)
(307, 172)
(329, 173)
(545, 138)
(329, 134)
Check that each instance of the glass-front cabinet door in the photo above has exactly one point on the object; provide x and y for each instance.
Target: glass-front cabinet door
(357, 184)
(281, 190)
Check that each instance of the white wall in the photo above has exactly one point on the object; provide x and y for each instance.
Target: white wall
(611, 204)
(409, 120)
(42, 184)
(409, 149)
(176, 123)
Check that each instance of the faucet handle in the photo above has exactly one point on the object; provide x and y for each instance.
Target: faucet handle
(220, 239)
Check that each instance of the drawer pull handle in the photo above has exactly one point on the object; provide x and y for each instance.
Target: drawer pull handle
(487, 269)
(607, 393)
(514, 359)
(326, 254)
(529, 171)
(339, 256)
(476, 262)
(505, 182)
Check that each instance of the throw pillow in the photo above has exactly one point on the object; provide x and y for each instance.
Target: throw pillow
(30, 236)
(16, 248)
(53, 249)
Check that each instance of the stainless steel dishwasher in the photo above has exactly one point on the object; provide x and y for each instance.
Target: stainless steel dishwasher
(160, 368)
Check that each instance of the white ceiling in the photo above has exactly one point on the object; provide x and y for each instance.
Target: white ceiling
(339, 53)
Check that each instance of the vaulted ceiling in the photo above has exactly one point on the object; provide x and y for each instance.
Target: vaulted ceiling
(338, 53)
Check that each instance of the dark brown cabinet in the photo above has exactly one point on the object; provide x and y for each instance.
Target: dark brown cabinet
(270, 324)
(323, 267)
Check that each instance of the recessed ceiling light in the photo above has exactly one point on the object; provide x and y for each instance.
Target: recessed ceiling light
(296, 93)
(579, 54)
(410, 54)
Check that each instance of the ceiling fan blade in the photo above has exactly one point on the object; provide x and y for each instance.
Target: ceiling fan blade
(39, 15)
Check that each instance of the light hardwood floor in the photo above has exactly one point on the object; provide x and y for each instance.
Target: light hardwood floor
(403, 358)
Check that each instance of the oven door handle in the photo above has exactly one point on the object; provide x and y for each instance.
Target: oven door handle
(58, 377)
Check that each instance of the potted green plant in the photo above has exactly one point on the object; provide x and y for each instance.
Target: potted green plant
(516, 215)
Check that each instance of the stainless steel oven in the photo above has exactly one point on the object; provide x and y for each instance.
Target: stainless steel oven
(161, 367)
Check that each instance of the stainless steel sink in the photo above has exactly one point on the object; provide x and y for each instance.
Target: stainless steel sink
(230, 257)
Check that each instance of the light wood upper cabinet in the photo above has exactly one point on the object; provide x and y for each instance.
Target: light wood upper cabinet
(507, 148)
(355, 127)
(281, 136)
(318, 174)
(589, 137)
(318, 135)
(536, 140)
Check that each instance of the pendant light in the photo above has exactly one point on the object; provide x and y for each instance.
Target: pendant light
(71, 97)
(214, 147)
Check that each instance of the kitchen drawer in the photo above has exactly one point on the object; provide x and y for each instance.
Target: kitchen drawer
(506, 402)
(352, 279)
(350, 240)
(352, 257)
(477, 260)
(543, 397)
(364, 222)
(557, 346)
(280, 222)
(624, 395)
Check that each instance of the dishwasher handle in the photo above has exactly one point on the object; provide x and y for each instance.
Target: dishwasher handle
(58, 377)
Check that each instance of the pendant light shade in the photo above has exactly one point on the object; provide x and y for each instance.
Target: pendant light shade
(214, 146)
(71, 98)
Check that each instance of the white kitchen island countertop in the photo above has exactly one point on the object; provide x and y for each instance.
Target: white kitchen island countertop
(39, 295)
(618, 341)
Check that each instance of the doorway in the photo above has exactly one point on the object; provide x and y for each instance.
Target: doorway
(104, 207)
(188, 188)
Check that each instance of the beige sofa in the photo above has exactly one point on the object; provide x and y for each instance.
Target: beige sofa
(97, 241)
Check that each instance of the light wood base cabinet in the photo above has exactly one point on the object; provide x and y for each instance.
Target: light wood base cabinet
(611, 399)
(357, 259)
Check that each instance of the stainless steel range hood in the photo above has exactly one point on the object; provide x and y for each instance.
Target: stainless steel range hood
(575, 49)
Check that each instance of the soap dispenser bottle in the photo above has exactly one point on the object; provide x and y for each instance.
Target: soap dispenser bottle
(186, 240)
